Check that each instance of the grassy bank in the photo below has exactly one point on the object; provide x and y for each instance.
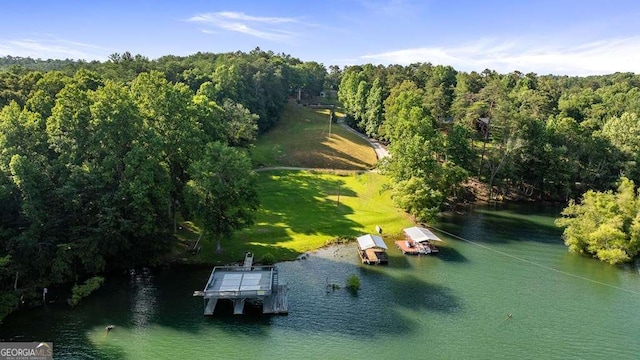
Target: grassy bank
(300, 212)
(302, 139)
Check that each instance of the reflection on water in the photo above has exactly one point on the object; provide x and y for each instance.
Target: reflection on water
(454, 305)
(143, 297)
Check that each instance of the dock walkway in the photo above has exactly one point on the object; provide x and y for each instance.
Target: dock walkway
(278, 302)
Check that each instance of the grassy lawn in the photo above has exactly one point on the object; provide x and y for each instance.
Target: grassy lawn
(300, 212)
(302, 139)
(299, 209)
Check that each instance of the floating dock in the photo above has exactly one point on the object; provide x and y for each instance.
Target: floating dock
(409, 247)
(418, 241)
(242, 283)
(372, 250)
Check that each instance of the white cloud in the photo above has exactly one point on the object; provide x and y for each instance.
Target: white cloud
(50, 47)
(257, 26)
(245, 17)
(526, 55)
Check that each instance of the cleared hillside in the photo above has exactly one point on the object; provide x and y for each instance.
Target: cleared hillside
(302, 139)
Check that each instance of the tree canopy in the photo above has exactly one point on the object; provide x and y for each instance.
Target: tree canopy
(604, 224)
(521, 135)
(98, 160)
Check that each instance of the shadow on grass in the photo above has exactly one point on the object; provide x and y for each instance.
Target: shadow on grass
(294, 203)
(299, 201)
(260, 250)
(336, 158)
(303, 139)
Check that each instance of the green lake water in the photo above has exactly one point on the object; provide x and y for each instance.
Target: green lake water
(451, 306)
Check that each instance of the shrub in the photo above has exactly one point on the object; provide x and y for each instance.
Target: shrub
(353, 282)
(8, 303)
(268, 259)
(81, 291)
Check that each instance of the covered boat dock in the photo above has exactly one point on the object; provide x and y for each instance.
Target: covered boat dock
(418, 241)
(372, 249)
(242, 283)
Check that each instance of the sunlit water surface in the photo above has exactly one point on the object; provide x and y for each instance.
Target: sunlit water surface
(453, 306)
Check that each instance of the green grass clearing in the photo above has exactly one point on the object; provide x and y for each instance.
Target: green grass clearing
(302, 139)
(300, 212)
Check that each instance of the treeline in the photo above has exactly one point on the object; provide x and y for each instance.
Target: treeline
(259, 80)
(98, 160)
(537, 137)
(7, 62)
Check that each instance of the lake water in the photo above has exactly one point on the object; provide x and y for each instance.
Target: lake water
(451, 306)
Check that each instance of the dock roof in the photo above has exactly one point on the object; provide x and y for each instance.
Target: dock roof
(239, 281)
(370, 241)
(420, 234)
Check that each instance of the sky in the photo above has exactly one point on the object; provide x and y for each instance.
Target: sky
(561, 37)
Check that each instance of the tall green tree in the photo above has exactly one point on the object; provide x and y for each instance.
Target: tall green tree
(624, 134)
(439, 91)
(43, 95)
(222, 191)
(360, 103)
(241, 126)
(348, 89)
(312, 77)
(166, 110)
(22, 132)
(422, 176)
(374, 109)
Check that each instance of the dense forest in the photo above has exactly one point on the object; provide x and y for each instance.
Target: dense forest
(99, 160)
(521, 136)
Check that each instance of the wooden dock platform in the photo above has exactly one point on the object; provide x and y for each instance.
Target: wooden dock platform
(370, 256)
(419, 241)
(278, 302)
(410, 248)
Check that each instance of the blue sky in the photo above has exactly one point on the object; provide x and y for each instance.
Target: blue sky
(574, 37)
